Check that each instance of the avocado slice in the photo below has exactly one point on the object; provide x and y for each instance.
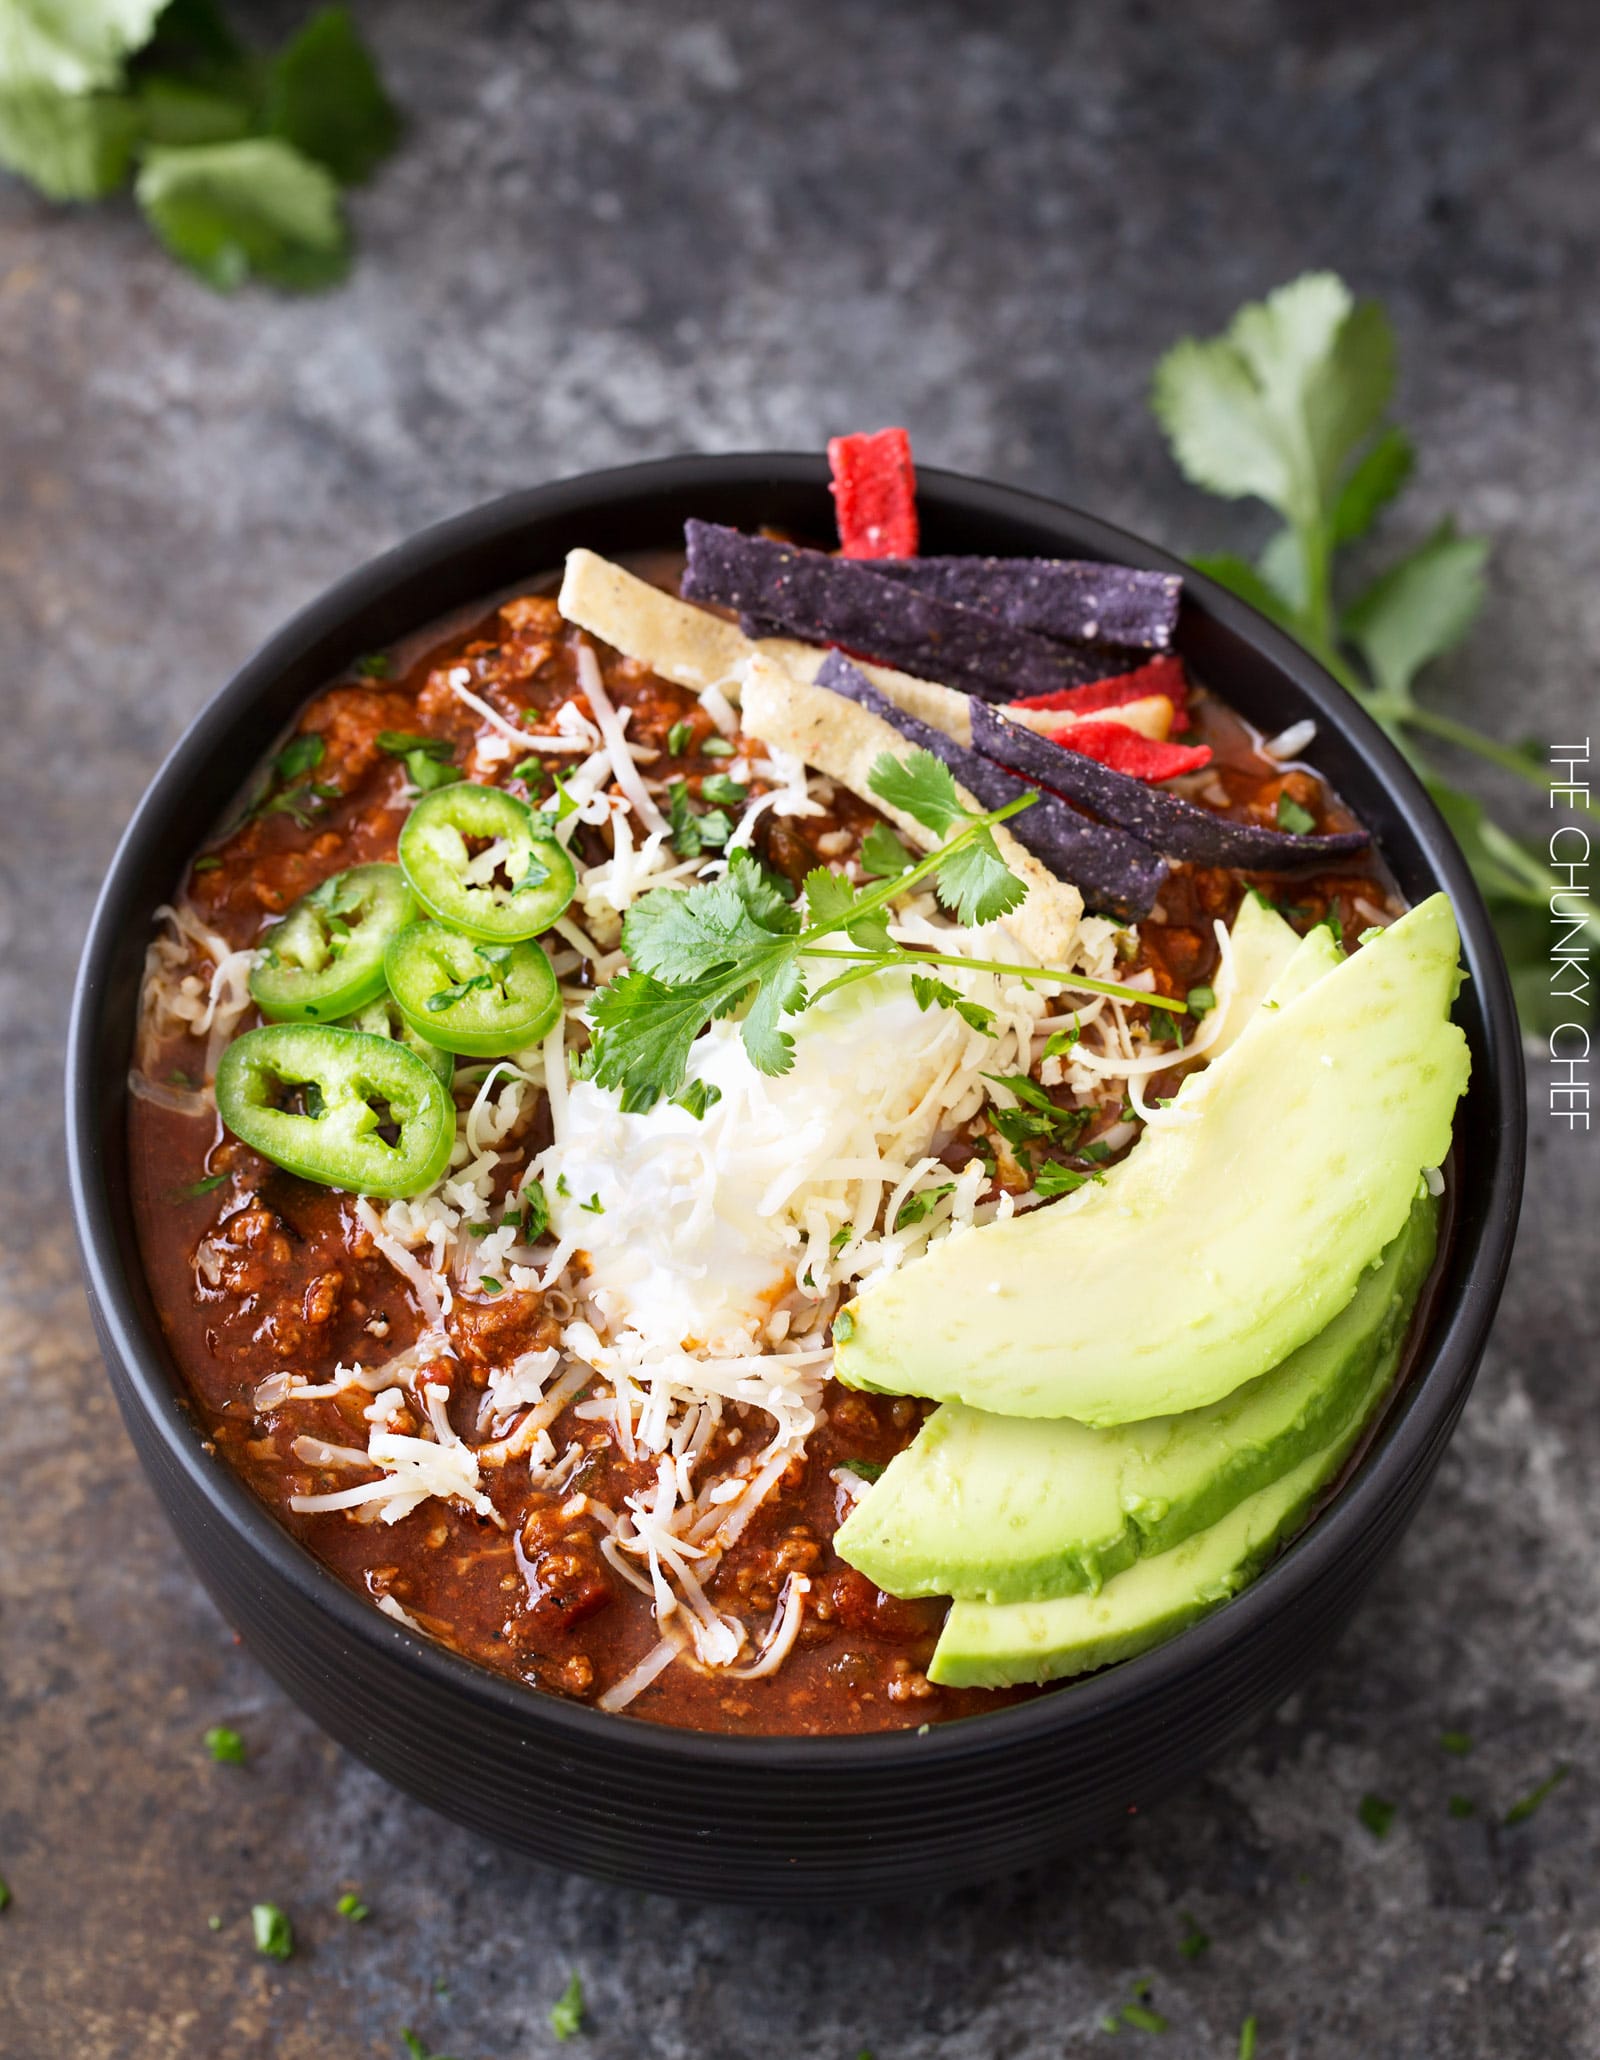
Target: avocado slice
(1263, 945)
(1001, 1644)
(1221, 1243)
(1012, 1509)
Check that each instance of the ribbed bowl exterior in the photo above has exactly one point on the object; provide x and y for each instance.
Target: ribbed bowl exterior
(769, 1820)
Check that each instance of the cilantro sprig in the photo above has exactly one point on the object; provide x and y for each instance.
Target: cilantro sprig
(698, 955)
(237, 159)
(1289, 406)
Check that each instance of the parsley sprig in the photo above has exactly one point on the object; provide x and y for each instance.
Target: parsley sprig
(1289, 406)
(698, 955)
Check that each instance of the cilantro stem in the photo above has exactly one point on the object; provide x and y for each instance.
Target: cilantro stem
(1504, 755)
(871, 961)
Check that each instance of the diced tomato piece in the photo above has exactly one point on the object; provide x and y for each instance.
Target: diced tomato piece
(1164, 675)
(874, 494)
(1125, 751)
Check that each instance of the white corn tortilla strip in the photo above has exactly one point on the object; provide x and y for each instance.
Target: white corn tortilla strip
(682, 642)
(845, 741)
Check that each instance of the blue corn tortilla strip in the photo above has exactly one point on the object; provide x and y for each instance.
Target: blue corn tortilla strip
(1166, 822)
(1070, 599)
(1115, 873)
(843, 601)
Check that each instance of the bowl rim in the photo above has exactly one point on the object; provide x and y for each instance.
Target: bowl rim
(1457, 1329)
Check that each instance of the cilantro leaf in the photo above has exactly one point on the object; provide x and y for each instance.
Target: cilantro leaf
(1371, 484)
(719, 788)
(566, 2017)
(829, 897)
(679, 738)
(882, 854)
(930, 992)
(1053, 1178)
(782, 991)
(271, 1931)
(1419, 609)
(324, 97)
(70, 146)
(1277, 405)
(697, 1097)
(916, 1206)
(1298, 821)
(921, 786)
(72, 46)
(1240, 577)
(225, 1745)
(977, 885)
(678, 935)
(256, 207)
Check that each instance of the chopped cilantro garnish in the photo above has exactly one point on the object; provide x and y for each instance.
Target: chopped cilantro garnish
(562, 1188)
(1060, 1042)
(197, 1188)
(490, 1285)
(272, 1932)
(841, 1237)
(377, 665)
(226, 1745)
(1376, 1814)
(1201, 1000)
(594, 1205)
(1457, 1743)
(697, 1097)
(1298, 821)
(883, 856)
(716, 747)
(1053, 1178)
(1247, 2039)
(1194, 1941)
(868, 1469)
(566, 2016)
(678, 738)
(915, 1207)
(206, 865)
(1462, 1806)
(353, 1907)
(535, 1211)
(303, 755)
(929, 991)
(1142, 2018)
(1525, 1807)
(401, 743)
(693, 834)
(447, 997)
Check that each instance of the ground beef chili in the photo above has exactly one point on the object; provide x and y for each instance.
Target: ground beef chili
(253, 1270)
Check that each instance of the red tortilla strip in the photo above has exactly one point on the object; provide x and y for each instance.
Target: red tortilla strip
(1160, 676)
(874, 494)
(1126, 751)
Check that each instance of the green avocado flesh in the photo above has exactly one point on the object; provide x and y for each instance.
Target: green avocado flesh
(1221, 1244)
(1001, 1645)
(1013, 1509)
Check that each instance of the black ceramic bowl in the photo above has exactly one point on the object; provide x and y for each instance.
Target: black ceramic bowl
(768, 1819)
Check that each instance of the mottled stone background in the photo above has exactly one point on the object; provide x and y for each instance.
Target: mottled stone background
(625, 229)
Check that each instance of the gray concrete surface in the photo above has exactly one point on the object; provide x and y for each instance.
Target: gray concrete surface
(618, 230)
